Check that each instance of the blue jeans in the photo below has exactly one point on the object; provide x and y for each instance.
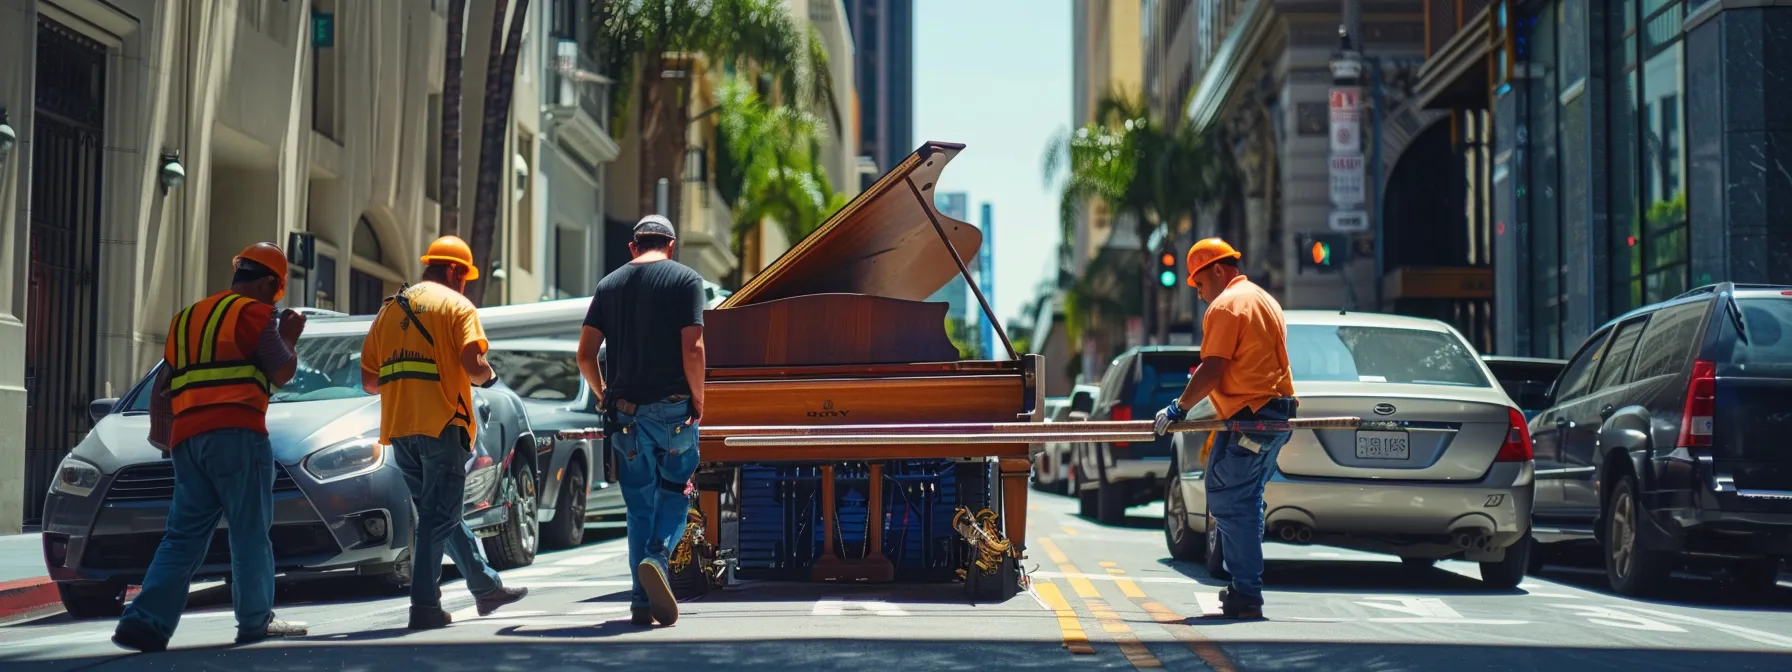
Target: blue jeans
(656, 453)
(223, 473)
(1235, 479)
(436, 470)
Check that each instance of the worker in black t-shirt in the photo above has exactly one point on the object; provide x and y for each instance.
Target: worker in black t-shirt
(651, 310)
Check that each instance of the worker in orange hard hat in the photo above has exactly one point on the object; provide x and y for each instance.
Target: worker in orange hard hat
(423, 355)
(224, 358)
(1244, 373)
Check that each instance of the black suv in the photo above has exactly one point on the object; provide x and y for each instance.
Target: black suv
(1666, 440)
(1109, 477)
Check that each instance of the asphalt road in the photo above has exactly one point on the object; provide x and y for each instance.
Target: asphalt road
(1102, 597)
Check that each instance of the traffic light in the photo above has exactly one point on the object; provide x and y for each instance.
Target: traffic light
(1166, 270)
(1324, 252)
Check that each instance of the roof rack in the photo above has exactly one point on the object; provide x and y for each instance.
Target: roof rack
(1712, 288)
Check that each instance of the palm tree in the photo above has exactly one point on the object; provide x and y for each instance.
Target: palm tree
(448, 193)
(500, 83)
(658, 43)
(1141, 170)
(777, 173)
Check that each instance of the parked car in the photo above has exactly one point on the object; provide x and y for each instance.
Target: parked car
(1110, 477)
(1051, 465)
(1525, 379)
(578, 482)
(1665, 440)
(1442, 469)
(340, 504)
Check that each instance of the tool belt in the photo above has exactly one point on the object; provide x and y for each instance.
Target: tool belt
(628, 407)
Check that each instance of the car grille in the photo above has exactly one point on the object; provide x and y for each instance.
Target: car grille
(150, 482)
(135, 551)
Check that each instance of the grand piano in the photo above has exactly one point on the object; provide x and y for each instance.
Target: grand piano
(838, 331)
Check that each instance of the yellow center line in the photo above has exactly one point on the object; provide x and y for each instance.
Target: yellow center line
(1110, 564)
(1052, 551)
(1135, 651)
(1074, 638)
(1178, 627)
(1130, 588)
(1069, 530)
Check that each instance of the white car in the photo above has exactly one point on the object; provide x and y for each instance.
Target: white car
(1441, 469)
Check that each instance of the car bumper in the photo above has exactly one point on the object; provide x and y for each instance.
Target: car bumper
(361, 523)
(1405, 518)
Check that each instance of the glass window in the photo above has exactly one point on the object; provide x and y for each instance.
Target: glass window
(538, 374)
(1764, 348)
(1671, 336)
(367, 243)
(1623, 103)
(1617, 357)
(329, 368)
(1545, 233)
(1578, 377)
(1649, 229)
(1382, 355)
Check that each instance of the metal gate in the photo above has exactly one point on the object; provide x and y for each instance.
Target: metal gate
(61, 319)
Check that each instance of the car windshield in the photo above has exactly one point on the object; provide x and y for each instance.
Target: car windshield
(1381, 355)
(542, 375)
(329, 368)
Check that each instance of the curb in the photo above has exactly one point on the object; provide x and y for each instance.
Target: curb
(25, 596)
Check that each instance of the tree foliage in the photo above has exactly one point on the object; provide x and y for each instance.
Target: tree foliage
(775, 157)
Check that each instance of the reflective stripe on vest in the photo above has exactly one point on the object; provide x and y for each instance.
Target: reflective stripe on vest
(409, 366)
(210, 366)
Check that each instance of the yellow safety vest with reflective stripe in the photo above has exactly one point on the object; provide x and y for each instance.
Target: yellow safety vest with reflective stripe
(208, 365)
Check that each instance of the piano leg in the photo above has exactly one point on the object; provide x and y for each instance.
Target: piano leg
(874, 567)
(1014, 500)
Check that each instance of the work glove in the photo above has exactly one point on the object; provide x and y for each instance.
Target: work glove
(1171, 413)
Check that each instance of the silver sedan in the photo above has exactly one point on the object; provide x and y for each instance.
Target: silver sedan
(1441, 469)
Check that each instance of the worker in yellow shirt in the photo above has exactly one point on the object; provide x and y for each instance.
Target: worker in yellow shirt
(423, 355)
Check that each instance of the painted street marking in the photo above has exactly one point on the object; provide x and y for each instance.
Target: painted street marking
(1618, 619)
(1423, 607)
(1070, 573)
(1555, 596)
(588, 560)
(1052, 551)
(1325, 554)
(834, 606)
(1109, 564)
(1129, 588)
(1135, 650)
(1179, 628)
(1069, 530)
(1074, 638)
(1210, 602)
(1745, 633)
(527, 572)
(574, 584)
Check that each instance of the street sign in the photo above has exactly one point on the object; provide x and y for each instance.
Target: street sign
(1347, 181)
(1349, 221)
(1346, 98)
(1346, 132)
(323, 30)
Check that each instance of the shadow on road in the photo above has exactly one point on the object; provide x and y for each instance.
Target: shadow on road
(581, 648)
(1352, 576)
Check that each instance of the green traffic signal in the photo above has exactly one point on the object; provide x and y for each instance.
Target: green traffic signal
(1168, 278)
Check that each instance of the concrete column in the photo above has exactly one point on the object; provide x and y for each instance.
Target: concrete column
(1739, 141)
(18, 63)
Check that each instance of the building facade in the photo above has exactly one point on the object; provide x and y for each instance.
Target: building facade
(883, 71)
(575, 148)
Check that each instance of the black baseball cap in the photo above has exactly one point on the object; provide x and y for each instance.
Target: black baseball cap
(654, 225)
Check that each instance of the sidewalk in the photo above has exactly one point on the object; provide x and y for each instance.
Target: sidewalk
(24, 586)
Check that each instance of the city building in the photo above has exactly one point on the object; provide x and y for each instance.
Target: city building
(883, 71)
(157, 139)
(957, 205)
(575, 148)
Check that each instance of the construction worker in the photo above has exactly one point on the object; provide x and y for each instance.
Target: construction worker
(423, 355)
(224, 357)
(1244, 372)
(651, 310)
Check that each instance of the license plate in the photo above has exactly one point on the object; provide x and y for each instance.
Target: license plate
(1382, 446)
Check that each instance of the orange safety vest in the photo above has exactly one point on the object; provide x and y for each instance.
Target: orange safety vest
(209, 366)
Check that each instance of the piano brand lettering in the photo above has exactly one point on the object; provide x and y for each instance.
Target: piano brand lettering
(828, 411)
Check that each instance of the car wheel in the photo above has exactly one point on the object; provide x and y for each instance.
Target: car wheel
(1418, 563)
(1085, 498)
(1184, 544)
(1506, 574)
(1111, 501)
(1216, 553)
(567, 529)
(92, 599)
(514, 545)
(1629, 568)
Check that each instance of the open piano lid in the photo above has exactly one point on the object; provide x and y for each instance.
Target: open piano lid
(881, 243)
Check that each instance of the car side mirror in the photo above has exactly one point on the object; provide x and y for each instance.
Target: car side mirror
(100, 408)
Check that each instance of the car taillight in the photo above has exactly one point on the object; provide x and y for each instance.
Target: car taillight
(1122, 414)
(1517, 447)
(1701, 405)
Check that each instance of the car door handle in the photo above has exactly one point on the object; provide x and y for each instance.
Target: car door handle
(1607, 411)
(1564, 423)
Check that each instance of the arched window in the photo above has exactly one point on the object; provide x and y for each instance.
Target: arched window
(367, 243)
(365, 290)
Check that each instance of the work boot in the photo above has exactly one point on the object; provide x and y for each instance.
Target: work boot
(275, 628)
(429, 618)
(137, 637)
(490, 602)
(1234, 607)
(660, 601)
(640, 616)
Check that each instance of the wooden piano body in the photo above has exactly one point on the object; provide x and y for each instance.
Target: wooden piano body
(838, 332)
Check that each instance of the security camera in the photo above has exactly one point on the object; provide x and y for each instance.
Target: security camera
(173, 175)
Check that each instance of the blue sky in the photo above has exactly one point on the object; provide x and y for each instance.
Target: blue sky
(995, 75)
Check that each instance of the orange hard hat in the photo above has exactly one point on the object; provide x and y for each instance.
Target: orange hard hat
(453, 250)
(1205, 252)
(269, 255)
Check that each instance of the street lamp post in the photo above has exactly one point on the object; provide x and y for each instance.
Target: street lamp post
(1345, 163)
